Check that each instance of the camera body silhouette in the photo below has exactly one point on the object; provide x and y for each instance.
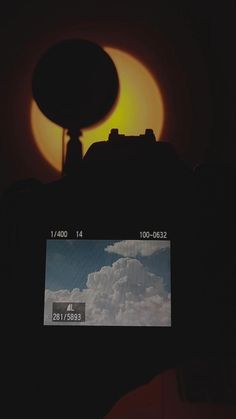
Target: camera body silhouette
(135, 155)
(122, 148)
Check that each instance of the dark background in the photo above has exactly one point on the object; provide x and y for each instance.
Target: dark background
(190, 46)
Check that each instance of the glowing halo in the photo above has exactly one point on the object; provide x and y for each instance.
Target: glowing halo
(140, 106)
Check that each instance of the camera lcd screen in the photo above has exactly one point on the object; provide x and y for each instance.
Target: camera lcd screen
(107, 283)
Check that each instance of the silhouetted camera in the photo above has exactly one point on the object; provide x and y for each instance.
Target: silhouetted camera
(139, 156)
(120, 147)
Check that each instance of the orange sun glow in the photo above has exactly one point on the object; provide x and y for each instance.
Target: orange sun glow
(139, 106)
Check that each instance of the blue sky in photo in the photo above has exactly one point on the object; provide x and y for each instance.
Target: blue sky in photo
(69, 262)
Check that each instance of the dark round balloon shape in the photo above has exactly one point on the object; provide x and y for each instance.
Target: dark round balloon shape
(75, 83)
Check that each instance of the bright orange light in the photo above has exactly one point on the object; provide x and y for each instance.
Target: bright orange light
(139, 106)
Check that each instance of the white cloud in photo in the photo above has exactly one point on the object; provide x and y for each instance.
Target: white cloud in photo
(133, 248)
(122, 294)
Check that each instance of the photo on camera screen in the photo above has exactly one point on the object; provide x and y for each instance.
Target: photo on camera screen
(108, 283)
